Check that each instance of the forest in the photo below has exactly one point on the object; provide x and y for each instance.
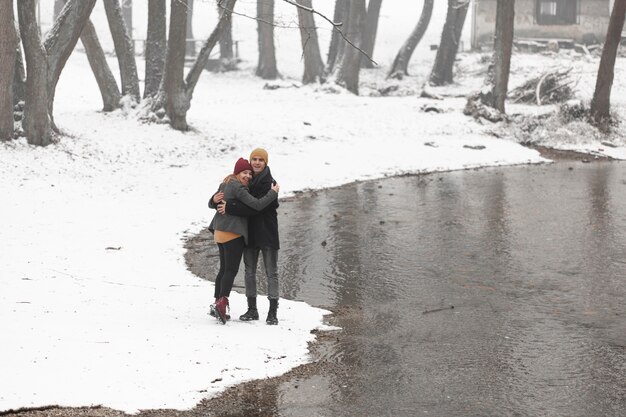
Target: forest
(32, 62)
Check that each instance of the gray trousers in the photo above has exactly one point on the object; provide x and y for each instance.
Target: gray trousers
(270, 261)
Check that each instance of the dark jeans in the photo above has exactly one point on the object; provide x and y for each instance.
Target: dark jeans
(230, 258)
(270, 261)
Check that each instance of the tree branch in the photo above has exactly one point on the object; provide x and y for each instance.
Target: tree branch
(335, 25)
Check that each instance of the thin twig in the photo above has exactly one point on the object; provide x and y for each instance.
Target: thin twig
(438, 309)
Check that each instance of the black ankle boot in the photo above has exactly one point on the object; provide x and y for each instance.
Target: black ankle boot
(271, 314)
(252, 313)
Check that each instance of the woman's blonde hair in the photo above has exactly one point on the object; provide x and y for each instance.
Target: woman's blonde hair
(229, 178)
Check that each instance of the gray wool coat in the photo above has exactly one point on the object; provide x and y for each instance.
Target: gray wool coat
(236, 224)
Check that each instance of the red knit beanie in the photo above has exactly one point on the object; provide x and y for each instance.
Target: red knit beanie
(242, 165)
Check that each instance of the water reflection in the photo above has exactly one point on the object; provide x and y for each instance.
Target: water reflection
(530, 257)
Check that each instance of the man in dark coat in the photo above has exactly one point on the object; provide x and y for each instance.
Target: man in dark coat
(262, 237)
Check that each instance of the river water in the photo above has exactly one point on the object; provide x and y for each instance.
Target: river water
(489, 292)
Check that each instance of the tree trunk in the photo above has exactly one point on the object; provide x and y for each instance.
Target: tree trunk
(19, 77)
(61, 40)
(190, 47)
(505, 19)
(44, 62)
(226, 7)
(442, 72)
(369, 31)
(124, 49)
(400, 66)
(36, 121)
(347, 71)
(175, 101)
(127, 13)
(97, 61)
(601, 102)
(266, 68)
(8, 52)
(156, 45)
(175, 93)
(58, 6)
(313, 64)
(226, 42)
(337, 43)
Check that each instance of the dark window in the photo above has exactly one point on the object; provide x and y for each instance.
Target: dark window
(556, 12)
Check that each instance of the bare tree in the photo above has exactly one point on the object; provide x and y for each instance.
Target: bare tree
(226, 44)
(44, 62)
(176, 92)
(347, 70)
(8, 52)
(173, 85)
(97, 61)
(601, 102)
(124, 49)
(61, 40)
(400, 66)
(442, 72)
(266, 68)
(156, 44)
(503, 45)
(190, 47)
(313, 64)
(36, 120)
(369, 31)
(337, 43)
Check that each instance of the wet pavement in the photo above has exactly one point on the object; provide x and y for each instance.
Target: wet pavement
(490, 292)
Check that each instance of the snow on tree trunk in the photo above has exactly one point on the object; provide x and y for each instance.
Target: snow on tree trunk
(347, 71)
(97, 61)
(313, 64)
(156, 45)
(266, 67)
(337, 43)
(35, 121)
(505, 19)
(175, 101)
(58, 6)
(400, 66)
(8, 44)
(370, 30)
(442, 72)
(124, 49)
(601, 102)
(19, 76)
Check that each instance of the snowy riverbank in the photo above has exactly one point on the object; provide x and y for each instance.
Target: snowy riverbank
(96, 304)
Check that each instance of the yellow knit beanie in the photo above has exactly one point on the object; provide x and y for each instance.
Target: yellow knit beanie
(260, 152)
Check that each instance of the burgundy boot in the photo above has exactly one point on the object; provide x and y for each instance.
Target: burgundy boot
(212, 312)
(221, 307)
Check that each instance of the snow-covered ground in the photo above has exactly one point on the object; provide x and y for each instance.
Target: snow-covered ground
(96, 303)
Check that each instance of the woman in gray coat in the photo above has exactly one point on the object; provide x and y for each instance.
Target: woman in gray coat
(231, 232)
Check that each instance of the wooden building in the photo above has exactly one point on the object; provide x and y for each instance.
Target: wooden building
(580, 21)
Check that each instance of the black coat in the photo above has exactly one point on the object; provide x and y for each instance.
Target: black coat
(262, 225)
